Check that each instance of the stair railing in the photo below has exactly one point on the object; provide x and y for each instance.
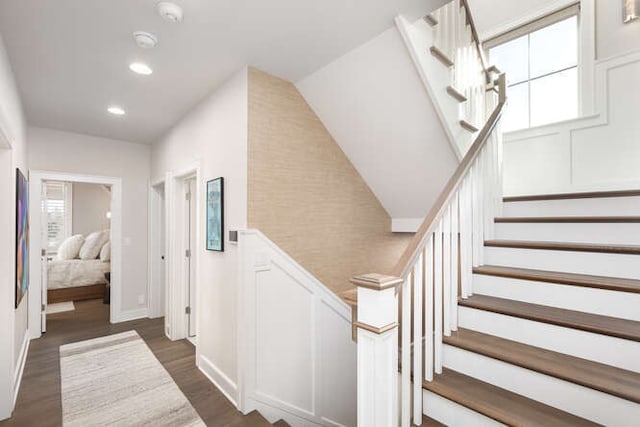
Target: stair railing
(421, 293)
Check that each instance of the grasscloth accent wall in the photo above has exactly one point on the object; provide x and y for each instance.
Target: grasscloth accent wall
(304, 193)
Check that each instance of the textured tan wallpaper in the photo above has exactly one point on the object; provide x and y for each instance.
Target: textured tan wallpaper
(306, 196)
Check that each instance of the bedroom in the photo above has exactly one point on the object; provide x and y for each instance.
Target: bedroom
(78, 243)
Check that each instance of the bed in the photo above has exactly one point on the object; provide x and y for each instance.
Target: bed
(76, 279)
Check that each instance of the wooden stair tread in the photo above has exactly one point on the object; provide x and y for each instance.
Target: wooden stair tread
(468, 126)
(582, 195)
(568, 219)
(608, 379)
(456, 94)
(350, 297)
(281, 423)
(499, 404)
(255, 418)
(441, 56)
(563, 246)
(605, 325)
(431, 20)
(574, 279)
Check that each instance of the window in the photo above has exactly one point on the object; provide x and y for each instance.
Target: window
(540, 60)
(56, 205)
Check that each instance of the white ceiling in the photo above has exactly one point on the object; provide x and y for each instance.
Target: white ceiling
(71, 57)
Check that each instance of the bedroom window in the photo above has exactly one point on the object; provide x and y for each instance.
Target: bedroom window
(540, 60)
(57, 209)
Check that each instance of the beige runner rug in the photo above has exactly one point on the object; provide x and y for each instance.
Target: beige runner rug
(117, 381)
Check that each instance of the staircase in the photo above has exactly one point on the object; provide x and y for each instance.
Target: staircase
(551, 334)
(255, 419)
(522, 311)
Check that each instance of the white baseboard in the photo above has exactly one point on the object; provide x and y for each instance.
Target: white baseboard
(22, 360)
(126, 316)
(405, 225)
(219, 379)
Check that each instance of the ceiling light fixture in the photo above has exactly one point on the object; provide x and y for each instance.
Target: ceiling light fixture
(145, 40)
(140, 68)
(170, 12)
(116, 111)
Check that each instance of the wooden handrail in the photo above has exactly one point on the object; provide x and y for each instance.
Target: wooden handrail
(476, 38)
(428, 225)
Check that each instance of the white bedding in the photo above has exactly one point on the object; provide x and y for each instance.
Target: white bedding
(73, 273)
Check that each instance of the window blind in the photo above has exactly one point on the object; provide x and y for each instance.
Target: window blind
(57, 209)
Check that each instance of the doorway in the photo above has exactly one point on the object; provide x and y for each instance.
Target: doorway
(39, 239)
(76, 245)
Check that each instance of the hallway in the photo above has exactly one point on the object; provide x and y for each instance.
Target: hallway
(39, 401)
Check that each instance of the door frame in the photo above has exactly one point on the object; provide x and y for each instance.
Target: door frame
(35, 223)
(176, 324)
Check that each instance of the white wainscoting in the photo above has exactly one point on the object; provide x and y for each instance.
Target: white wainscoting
(598, 152)
(296, 357)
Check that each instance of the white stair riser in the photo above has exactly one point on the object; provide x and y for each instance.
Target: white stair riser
(610, 206)
(453, 414)
(566, 396)
(594, 263)
(624, 305)
(611, 233)
(599, 348)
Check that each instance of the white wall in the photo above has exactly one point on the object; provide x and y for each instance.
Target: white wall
(215, 135)
(375, 106)
(614, 38)
(12, 155)
(57, 151)
(90, 205)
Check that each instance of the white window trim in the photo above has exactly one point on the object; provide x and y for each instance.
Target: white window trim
(586, 45)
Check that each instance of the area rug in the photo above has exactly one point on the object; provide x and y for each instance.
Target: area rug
(60, 307)
(117, 381)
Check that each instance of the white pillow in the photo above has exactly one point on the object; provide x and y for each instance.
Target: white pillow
(70, 247)
(92, 245)
(105, 252)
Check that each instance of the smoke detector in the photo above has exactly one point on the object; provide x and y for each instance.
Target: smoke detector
(145, 40)
(170, 12)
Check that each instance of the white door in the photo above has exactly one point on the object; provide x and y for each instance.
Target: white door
(191, 248)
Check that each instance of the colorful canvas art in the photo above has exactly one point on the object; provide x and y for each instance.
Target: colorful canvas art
(215, 214)
(22, 236)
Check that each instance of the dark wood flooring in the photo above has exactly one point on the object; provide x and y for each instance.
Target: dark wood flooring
(39, 402)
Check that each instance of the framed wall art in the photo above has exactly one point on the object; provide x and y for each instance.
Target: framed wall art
(215, 214)
(22, 236)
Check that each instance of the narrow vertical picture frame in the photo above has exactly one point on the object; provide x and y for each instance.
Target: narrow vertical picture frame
(215, 214)
(22, 237)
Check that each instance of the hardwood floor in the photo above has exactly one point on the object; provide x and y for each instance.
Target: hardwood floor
(39, 401)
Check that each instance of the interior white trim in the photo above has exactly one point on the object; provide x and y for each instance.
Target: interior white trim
(139, 313)
(19, 369)
(6, 139)
(35, 199)
(217, 377)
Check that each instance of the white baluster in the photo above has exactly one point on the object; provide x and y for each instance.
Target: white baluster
(405, 327)
(464, 237)
(428, 311)
(437, 300)
(454, 263)
(469, 236)
(418, 284)
(446, 272)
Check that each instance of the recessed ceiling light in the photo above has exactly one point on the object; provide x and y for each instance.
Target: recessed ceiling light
(116, 111)
(140, 68)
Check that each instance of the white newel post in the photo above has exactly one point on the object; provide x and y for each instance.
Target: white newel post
(377, 324)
